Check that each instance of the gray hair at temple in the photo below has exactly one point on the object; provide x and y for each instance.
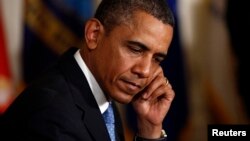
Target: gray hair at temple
(115, 12)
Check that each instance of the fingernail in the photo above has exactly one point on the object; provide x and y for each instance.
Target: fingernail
(145, 95)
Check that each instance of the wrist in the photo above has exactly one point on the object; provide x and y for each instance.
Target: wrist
(163, 137)
(148, 130)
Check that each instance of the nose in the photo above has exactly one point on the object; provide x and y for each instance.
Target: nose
(142, 67)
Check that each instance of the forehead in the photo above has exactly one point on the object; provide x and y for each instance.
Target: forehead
(146, 29)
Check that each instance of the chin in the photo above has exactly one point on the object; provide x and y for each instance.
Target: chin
(123, 99)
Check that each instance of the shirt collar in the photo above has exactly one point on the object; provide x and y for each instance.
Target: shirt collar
(94, 86)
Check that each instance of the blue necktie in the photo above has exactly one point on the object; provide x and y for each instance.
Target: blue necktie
(108, 116)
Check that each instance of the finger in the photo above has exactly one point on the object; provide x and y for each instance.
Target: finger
(163, 92)
(158, 72)
(155, 84)
(169, 90)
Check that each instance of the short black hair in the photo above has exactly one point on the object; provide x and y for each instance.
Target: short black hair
(115, 12)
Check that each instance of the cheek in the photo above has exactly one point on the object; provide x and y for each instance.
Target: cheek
(117, 62)
(117, 69)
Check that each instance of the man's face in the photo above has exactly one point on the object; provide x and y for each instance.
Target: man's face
(128, 56)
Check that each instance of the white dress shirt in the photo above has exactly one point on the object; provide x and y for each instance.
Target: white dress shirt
(94, 86)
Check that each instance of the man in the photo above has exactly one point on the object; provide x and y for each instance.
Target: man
(119, 62)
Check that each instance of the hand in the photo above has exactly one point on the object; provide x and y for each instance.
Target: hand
(152, 105)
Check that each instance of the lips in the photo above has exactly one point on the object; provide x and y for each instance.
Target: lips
(131, 86)
(134, 84)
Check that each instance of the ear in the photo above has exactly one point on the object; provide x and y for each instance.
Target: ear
(93, 33)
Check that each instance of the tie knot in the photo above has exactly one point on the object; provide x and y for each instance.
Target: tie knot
(108, 115)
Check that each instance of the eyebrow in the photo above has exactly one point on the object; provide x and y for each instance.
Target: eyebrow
(144, 47)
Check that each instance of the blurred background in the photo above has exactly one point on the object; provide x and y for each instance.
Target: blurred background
(207, 63)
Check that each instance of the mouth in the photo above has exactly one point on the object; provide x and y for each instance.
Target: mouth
(134, 84)
(131, 86)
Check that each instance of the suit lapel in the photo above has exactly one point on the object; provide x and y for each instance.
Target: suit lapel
(83, 97)
(118, 124)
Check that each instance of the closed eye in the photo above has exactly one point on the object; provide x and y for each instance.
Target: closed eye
(136, 47)
(158, 59)
(139, 48)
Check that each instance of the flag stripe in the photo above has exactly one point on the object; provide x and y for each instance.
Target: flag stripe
(5, 76)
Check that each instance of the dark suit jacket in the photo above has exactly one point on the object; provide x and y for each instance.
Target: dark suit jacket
(58, 107)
